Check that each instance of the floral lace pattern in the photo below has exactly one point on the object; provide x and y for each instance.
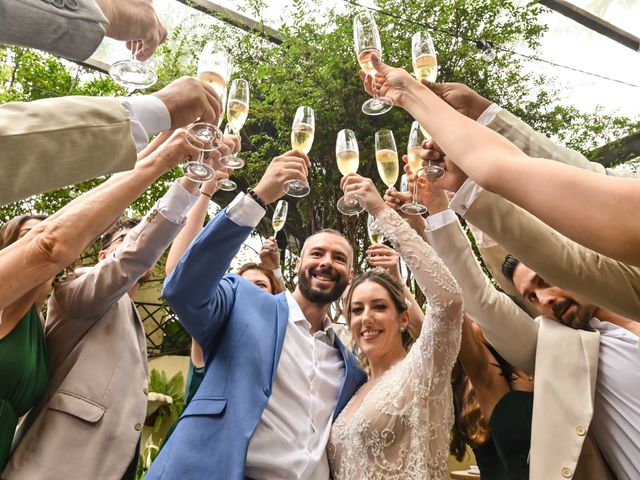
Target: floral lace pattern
(401, 430)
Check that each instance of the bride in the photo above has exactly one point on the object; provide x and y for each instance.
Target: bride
(397, 425)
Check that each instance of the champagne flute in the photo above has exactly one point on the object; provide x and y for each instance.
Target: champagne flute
(279, 216)
(423, 56)
(226, 184)
(375, 234)
(133, 74)
(237, 112)
(215, 66)
(387, 157)
(415, 164)
(431, 172)
(302, 132)
(206, 138)
(347, 157)
(367, 42)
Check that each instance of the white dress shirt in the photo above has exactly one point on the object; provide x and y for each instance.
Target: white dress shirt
(149, 116)
(291, 438)
(616, 413)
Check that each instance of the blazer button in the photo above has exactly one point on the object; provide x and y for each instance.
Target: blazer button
(58, 3)
(145, 390)
(266, 391)
(138, 427)
(581, 431)
(566, 472)
(71, 4)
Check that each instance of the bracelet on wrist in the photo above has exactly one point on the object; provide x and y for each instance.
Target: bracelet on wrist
(210, 195)
(251, 192)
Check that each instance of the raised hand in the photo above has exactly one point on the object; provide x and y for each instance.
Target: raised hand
(379, 255)
(460, 97)
(389, 81)
(364, 188)
(292, 165)
(189, 100)
(269, 254)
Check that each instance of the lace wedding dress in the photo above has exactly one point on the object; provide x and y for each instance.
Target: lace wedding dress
(401, 429)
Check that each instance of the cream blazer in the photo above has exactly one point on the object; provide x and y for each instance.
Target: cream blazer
(48, 144)
(565, 363)
(89, 422)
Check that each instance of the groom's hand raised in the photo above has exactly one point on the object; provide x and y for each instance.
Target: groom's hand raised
(292, 165)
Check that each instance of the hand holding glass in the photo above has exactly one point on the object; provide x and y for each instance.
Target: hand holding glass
(366, 40)
(206, 138)
(431, 172)
(302, 132)
(226, 184)
(347, 157)
(133, 74)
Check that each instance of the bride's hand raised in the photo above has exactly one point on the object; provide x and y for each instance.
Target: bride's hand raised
(389, 81)
(364, 188)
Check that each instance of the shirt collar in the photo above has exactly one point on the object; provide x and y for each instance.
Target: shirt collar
(297, 316)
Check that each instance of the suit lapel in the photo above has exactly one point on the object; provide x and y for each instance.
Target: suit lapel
(282, 320)
(354, 377)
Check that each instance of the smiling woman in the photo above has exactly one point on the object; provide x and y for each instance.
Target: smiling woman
(398, 424)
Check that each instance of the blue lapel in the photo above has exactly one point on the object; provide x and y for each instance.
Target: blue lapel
(282, 320)
(354, 377)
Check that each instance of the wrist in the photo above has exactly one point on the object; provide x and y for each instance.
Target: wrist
(437, 206)
(189, 185)
(478, 107)
(378, 209)
(257, 198)
(263, 195)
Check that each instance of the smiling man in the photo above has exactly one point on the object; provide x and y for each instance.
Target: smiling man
(616, 411)
(276, 374)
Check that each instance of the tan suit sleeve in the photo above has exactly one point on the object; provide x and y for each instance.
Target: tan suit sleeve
(72, 33)
(85, 298)
(537, 145)
(48, 144)
(562, 262)
(511, 331)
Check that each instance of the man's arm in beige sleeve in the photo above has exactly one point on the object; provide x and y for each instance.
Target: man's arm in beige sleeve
(511, 331)
(48, 144)
(561, 262)
(73, 30)
(537, 145)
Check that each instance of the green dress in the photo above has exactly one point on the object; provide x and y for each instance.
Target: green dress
(24, 374)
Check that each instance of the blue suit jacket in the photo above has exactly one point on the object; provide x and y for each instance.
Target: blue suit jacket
(241, 329)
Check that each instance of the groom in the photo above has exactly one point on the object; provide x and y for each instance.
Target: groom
(276, 374)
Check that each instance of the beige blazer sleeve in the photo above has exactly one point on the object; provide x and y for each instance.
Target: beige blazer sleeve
(48, 144)
(85, 298)
(537, 145)
(511, 331)
(562, 262)
(74, 30)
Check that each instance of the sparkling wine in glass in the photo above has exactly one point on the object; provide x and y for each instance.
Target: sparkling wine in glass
(302, 132)
(347, 157)
(415, 164)
(366, 39)
(375, 234)
(279, 216)
(430, 172)
(387, 157)
(215, 66)
(423, 56)
(237, 113)
(206, 138)
(133, 74)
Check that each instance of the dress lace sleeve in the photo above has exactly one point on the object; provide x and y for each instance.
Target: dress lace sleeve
(434, 352)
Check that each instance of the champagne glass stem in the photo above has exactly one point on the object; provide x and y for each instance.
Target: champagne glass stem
(415, 190)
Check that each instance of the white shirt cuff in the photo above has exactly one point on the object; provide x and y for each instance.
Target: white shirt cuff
(440, 219)
(149, 116)
(489, 114)
(245, 211)
(277, 272)
(465, 196)
(176, 203)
